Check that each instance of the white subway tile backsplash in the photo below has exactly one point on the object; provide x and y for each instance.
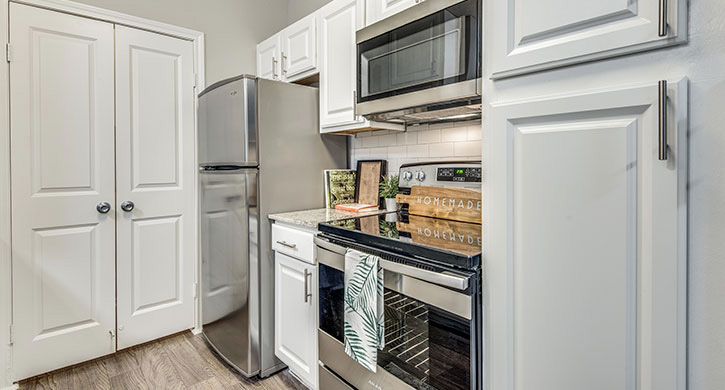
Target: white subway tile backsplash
(397, 152)
(441, 149)
(473, 133)
(417, 151)
(436, 142)
(429, 136)
(468, 149)
(453, 134)
(370, 142)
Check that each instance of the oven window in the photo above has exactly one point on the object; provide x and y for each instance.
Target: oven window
(425, 347)
(439, 49)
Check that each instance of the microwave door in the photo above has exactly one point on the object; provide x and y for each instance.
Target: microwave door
(227, 124)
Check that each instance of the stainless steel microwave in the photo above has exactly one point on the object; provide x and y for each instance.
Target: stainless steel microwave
(422, 64)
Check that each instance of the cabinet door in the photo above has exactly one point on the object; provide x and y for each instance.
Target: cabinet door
(380, 9)
(299, 49)
(156, 170)
(586, 259)
(532, 35)
(295, 323)
(62, 167)
(268, 55)
(338, 69)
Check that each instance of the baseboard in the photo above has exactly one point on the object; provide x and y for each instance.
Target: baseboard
(196, 331)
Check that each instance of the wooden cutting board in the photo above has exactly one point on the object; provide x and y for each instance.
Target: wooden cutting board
(463, 237)
(457, 204)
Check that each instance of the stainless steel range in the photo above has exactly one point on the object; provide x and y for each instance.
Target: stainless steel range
(433, 303)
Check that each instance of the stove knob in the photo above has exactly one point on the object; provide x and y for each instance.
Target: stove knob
(407, 176)
(420, 175)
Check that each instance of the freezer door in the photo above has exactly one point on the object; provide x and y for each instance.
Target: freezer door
(230, 253)
(227, 124)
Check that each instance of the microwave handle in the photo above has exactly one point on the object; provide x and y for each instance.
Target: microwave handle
(446, 279)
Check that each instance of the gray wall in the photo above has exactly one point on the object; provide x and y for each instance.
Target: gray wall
(232, 27)
(299, 8)
(702, 60)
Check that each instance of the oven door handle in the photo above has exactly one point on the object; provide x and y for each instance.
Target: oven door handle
(445, 279)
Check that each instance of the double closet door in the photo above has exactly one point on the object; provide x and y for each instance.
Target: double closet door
(102, 116)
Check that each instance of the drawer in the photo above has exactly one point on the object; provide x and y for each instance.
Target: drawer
(294, 242)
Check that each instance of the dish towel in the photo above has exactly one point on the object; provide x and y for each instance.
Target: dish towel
(364, 312)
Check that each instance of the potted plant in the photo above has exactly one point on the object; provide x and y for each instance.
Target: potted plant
(388, 190)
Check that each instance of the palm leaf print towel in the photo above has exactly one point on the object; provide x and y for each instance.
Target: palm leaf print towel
(364, 314)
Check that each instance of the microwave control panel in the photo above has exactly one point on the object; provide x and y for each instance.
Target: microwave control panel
(441, 174)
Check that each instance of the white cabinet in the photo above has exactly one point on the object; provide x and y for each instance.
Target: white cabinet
(268, 58)
(587, 254)
(299, 49)
(377, 10)
(295, 307)
(88, 277)
(338, 69)
(533, 35)
(291, 54)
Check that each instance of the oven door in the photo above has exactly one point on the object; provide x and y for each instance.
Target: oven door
(432, 328)
(437, 55)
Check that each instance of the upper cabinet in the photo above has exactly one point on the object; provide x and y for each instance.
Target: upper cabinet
(299, 49)
(268, 57)
(291, 54)
(377, 10)
(537, 35)
(338, 21)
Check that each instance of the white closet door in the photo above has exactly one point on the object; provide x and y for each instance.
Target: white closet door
(155, 169)
(61, 94)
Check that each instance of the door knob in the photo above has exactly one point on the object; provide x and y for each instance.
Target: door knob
(127, 205)
(103, 207)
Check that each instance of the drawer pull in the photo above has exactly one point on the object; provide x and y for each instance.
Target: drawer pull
(288, 245)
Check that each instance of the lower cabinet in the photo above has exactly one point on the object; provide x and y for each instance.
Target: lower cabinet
(586, 263)
(295, 328)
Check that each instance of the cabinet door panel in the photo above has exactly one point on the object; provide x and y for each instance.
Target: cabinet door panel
(296, 319)
(62, 167)
(537, 35)
(299, 48)
(586, 266)
(155, 169)
(268, 57)
(338, 69)
(380, 9)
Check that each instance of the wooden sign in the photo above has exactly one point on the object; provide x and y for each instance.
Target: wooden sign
(463, 237)
(369, 174)
(457, 204)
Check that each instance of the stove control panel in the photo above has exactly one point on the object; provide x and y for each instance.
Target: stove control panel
(465, 174)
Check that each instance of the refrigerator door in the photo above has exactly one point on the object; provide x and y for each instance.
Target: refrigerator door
(230, 253)
(227, 123)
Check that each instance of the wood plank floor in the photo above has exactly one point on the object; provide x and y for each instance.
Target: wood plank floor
(180, 362)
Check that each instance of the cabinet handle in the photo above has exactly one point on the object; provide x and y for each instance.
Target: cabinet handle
(288, 245)
(274, 68)
(662, 117)
(354, 104)
(284, 64)
(663, 19)
(308, 295)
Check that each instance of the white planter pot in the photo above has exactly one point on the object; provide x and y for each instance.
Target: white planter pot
(391, 204)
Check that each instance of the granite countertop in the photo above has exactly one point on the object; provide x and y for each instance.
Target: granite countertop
(311, 218)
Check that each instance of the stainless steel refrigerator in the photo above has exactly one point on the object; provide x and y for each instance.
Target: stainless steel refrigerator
(260, 152)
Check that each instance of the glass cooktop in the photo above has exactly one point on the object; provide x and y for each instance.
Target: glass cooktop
(439, 240)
